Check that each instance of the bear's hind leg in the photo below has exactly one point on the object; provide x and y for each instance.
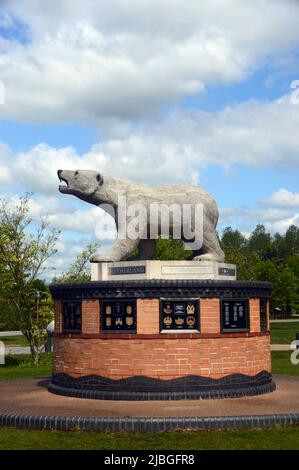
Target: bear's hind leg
(211, 249)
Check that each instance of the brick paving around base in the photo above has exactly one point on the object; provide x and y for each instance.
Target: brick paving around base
(30, 396)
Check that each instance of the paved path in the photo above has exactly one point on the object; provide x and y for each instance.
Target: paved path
(289, 320)
(17, 350)
(283, 347)
(30, 396)
(10, 333)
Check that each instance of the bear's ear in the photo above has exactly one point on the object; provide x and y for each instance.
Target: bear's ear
(100, 179)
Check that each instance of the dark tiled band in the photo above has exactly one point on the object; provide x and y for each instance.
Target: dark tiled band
(189, 387)
(160, 288)
(141, 424)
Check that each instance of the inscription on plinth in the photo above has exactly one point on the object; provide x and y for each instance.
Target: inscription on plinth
(162, 269)
(118, 270)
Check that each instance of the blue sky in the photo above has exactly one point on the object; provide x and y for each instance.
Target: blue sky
(198, 95)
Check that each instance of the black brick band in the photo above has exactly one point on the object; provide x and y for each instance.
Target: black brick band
(161, 288)
(145, 388)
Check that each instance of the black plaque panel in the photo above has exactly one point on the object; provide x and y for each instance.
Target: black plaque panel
(180, 314)
(235, 315)
(226, 271)
(263, 314)
(72, 317)
(118, 316)
(117, 270)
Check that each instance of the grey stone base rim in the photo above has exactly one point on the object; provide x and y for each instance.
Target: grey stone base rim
(187, 395)
(145, 424)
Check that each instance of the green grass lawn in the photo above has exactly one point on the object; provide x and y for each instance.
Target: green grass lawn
(283, 333)
(282, 365)
(254, 439)
(14, 340)
(20, 365)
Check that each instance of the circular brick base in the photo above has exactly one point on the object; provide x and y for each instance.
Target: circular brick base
(150, 363)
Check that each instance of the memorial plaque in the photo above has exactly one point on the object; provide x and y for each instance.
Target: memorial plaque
(180, 314)
(263, 314)
(118, 316)
(121, 270)
(72, 317)
(234, 315)
(226, 271)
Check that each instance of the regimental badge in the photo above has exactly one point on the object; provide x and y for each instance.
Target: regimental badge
(167, 309)
(179, 321)
(129, 309)
(108, 310)
(190, 309)
(118, 321)
(190, 321)
(179, 309)
(108, 321)
(129, 321)
(167, 320)
(118, 308)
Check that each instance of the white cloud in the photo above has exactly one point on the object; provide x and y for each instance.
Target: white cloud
(282, 225)
(115, 64)
(283, 198)
(91, 221)
(174, 149)
(116, 60)
(275, 216)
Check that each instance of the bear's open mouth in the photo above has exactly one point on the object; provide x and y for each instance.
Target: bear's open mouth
(64, 184)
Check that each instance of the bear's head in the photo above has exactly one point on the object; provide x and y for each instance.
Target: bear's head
(80, 183)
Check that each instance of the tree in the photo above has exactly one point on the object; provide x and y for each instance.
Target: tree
(233, 239)
(260, 242)
(288, 244)
(79, 270)
(234, 245)
(293, 264)
(267, 259)
(24, 250)
(171, 249)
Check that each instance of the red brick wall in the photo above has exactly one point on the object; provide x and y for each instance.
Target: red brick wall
(163, 358)
(255, 320)
(208, 353)
(209, 315)
(147, 316)
(268, 315)
(90, 317)
(58, 316)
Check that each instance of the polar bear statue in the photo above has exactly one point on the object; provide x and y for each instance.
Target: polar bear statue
(107, 191)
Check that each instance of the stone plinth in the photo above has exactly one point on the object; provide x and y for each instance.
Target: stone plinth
(156, 269)
(161, 339)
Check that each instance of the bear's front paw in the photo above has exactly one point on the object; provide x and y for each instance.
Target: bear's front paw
(100, 259)
(97, 258)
